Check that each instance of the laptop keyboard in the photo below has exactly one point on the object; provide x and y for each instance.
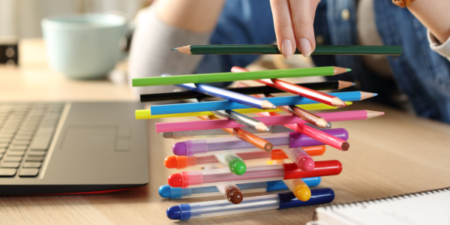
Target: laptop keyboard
(26, 131)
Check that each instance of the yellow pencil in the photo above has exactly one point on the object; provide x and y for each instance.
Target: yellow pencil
(143, 114)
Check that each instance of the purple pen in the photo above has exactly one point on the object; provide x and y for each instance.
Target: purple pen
(291, 139)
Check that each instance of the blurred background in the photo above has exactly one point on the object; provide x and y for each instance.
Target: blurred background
(22, 18)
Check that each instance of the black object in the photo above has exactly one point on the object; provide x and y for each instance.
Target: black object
(9, 51)
(329, 85)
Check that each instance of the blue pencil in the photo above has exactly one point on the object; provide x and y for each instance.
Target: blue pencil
(227, 95)
(225, 105)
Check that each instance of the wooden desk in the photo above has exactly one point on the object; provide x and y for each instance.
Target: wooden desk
(390, 155)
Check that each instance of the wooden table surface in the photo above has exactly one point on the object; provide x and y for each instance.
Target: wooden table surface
(389, 155)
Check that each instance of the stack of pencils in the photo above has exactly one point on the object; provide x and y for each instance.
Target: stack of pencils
(286, 141)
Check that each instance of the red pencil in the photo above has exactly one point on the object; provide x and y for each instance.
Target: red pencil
(298, 90)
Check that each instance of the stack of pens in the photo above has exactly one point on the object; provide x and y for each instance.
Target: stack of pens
(296, 137)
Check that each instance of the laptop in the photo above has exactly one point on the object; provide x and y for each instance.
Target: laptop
(71, 148)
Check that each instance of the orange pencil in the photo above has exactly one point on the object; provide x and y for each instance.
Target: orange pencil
(245, 135)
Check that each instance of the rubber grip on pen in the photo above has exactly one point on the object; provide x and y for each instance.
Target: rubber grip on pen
(322, 168)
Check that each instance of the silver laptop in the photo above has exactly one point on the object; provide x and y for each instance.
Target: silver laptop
(74, 147)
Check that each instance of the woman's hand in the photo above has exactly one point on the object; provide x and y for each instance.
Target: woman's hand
(293, 20)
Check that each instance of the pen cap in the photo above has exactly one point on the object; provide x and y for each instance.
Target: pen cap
(190, 147)
(179, 162)
(322, 168)
(300, 140)
(318, 196)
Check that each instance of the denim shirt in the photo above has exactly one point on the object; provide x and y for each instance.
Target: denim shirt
(420, 73)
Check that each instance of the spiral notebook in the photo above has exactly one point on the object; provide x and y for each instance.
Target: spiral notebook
(427, 207)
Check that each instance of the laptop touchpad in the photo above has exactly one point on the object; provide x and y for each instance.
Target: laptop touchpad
(89, 139)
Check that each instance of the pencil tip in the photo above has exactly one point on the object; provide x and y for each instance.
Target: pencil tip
(274, 107)
(174, 50)
(348, 69)
(375, 94)
(328, 125)
(353, 84)
(268, 129)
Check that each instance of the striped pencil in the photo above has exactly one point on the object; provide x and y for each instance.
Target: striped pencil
(297, 90)
(273, 49)
(229, 95)
(253, 75)
(301, 113)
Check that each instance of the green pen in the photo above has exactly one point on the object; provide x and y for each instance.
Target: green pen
(233, 162)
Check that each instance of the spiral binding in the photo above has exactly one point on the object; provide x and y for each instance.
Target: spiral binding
(377, 200)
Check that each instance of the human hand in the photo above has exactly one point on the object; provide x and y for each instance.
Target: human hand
(293, 20)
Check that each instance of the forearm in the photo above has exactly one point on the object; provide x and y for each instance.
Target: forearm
(191, 15)
(434, 14)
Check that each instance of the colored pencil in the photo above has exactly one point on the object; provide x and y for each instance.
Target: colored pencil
(238, 118)
(245, 135)
(229, 95)
(273, 49)
(273, 120)
(142, 114)
(221, 77)
(301, 113)
(224, 105)
(243, 119)
(314, 133)
(329, 85)
(296, 89)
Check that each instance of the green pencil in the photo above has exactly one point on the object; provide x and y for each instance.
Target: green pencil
(253, 75)
(273, 49)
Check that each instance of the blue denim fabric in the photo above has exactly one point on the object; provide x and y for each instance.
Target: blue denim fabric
(422, 74)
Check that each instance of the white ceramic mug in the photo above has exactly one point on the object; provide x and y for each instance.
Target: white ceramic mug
(85, 46)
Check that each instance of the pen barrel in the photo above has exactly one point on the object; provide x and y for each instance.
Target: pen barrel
(250, 204)
(178, 193)
(322, 168)
(301, 140)
(183, 161)
(293, 139)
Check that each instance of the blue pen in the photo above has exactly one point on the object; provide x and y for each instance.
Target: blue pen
(166, 191)
(250, 101)
(250, 204)
(227, 105)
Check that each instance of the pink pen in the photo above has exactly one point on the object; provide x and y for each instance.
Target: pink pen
(301, 158)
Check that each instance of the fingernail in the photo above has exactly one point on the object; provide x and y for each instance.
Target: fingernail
(286, 49)
(305, 47)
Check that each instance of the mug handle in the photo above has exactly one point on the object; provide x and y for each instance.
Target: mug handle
(128, 35)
